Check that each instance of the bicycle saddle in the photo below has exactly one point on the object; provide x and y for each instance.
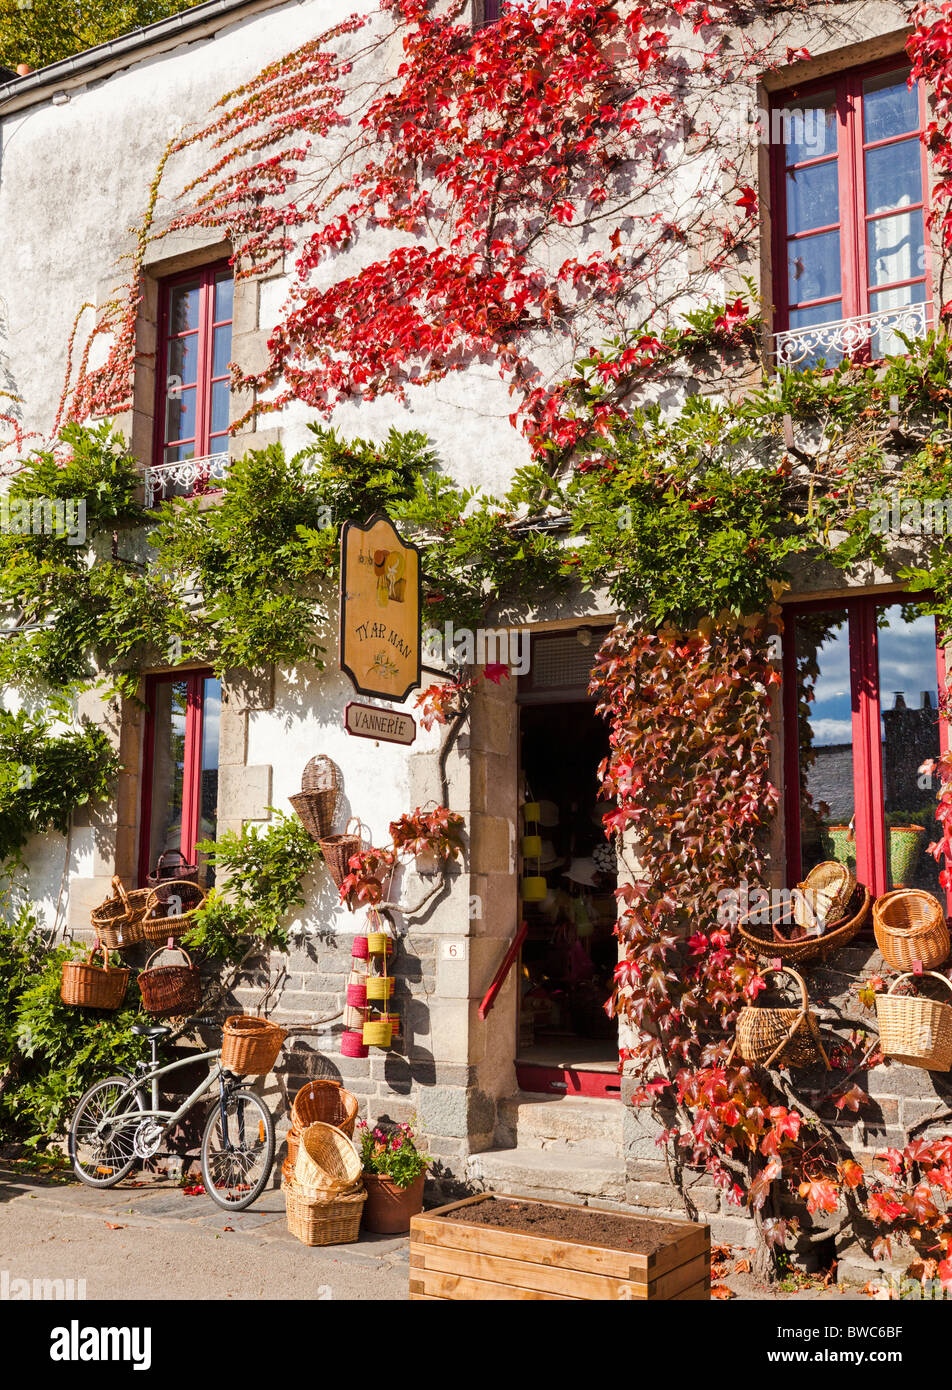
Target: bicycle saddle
(150, 1030)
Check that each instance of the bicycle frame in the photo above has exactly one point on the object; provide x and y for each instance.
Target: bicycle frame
(167, 1117)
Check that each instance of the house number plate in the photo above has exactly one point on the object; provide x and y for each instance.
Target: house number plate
(454, 948)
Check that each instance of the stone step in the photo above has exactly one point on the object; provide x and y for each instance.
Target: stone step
(560, 1175)
(562, 1123)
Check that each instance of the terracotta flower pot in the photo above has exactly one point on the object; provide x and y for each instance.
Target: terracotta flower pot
(389, 1207)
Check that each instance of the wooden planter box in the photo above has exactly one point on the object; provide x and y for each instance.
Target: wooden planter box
(457, 1260)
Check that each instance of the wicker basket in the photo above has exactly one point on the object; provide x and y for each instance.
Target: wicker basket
(93, 986)
(915, 1030)
(905, 851)
(338, 851)
(118, 921)
(165, 869)
(250, 1045)
(840, 842)
(352, 1043)
(787, 1037)
(763, 937)
(377, 1032)
(824, 895)
(316, 802)
(170, 910)
(170, 989)
(379, 987)
(326, 1102)
(326, 1160)
(910, 926)
(334, 1221)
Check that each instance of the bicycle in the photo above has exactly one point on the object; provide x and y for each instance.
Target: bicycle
(113, 1126)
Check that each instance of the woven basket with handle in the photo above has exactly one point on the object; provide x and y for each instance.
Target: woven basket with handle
(93, 986)
(326, 1102)
(910, 926)
(332, 1220)
(781, 937)
(915, 1030)
(170, 910)
(171, 864)
(168, 990)
(327, 1161)
(316, 802)
(781, 1037)
(118, 921)
(250, 1045)
(339, 849)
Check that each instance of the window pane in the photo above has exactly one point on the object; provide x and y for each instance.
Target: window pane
(893, 176)
(890, 106)
(224, 297)
(220, 402)
(221, 352)
(813, 267)
(180, 414)
(825, 738)
(886, 341)
(896, 248)
(218, 444)
(208, 791)
(809, 127)
(183, 308)
(813, 197)
(168, 768)
(909, 729)
(183, 360)
(805, 318)
(177, 453)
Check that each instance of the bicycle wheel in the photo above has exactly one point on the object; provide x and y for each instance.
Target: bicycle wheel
(100, 1142)
(237, 1155)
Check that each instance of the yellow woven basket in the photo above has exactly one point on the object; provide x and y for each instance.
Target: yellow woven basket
(377, 1032)
(379, 986)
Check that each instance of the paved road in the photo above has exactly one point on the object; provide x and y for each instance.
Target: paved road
(171, 1246)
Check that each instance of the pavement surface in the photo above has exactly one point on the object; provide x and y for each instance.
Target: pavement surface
(146, 1239)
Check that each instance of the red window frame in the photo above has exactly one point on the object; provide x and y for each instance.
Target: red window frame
(867, 749)
(207, 323)
(192, 771)
(854, 287)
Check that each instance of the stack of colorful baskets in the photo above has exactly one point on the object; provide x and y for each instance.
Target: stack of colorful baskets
(325, 1194)
(368, 1018)
(319, 1101)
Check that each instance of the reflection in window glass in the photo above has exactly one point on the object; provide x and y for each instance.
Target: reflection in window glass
(890, 106)
(208, 791)
(168, 768)
(825, 732)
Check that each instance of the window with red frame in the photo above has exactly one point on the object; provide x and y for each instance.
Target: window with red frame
(862, 714)
(180, 766)
(195, 322)
(850, 185)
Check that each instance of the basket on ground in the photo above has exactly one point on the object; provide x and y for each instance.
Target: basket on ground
(339, 849)
(324, 1102)
(93, 986)
(118, 921)
(764, 931)
(171, 909)
(326, 1161)
(169, 990)
(914, 1029)
(250, 1045)
(333, 1220)
(780, 1036)
(910, 926)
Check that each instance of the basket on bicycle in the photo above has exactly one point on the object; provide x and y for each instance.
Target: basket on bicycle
(170, 910)
(168, 868)
(168, 990)
(324, 1101)
(93, 986)
(250, 1045)
(118, 921)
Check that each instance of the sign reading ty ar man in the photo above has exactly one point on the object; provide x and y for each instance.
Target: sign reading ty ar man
(379, 609)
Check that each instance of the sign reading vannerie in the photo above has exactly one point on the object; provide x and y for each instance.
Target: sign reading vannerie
(379, 609)
(369, 721)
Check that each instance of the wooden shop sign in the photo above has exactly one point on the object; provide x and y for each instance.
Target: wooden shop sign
(370, 721)
(379, 609)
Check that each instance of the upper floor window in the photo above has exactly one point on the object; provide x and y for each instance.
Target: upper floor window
(194, 349)
(850, 186)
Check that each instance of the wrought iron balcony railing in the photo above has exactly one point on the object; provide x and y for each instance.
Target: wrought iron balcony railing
(182, 478)
(844, 337)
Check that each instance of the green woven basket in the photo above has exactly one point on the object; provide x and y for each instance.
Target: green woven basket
(905, 851)
(840, 844)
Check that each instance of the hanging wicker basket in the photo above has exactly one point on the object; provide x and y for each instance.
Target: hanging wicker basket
(326, 1102)
(170, 910)
(118, 921)
(171, 864)
(169, 990)
(915, 1030)
(377, 1032)
(781, 1037)
(910, 926)
(352, 1043)
(316, 802)
(250, 1045)
(93, 986)
(333, 1221)
(339, 849)
(775, 937)
(326, 1162)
